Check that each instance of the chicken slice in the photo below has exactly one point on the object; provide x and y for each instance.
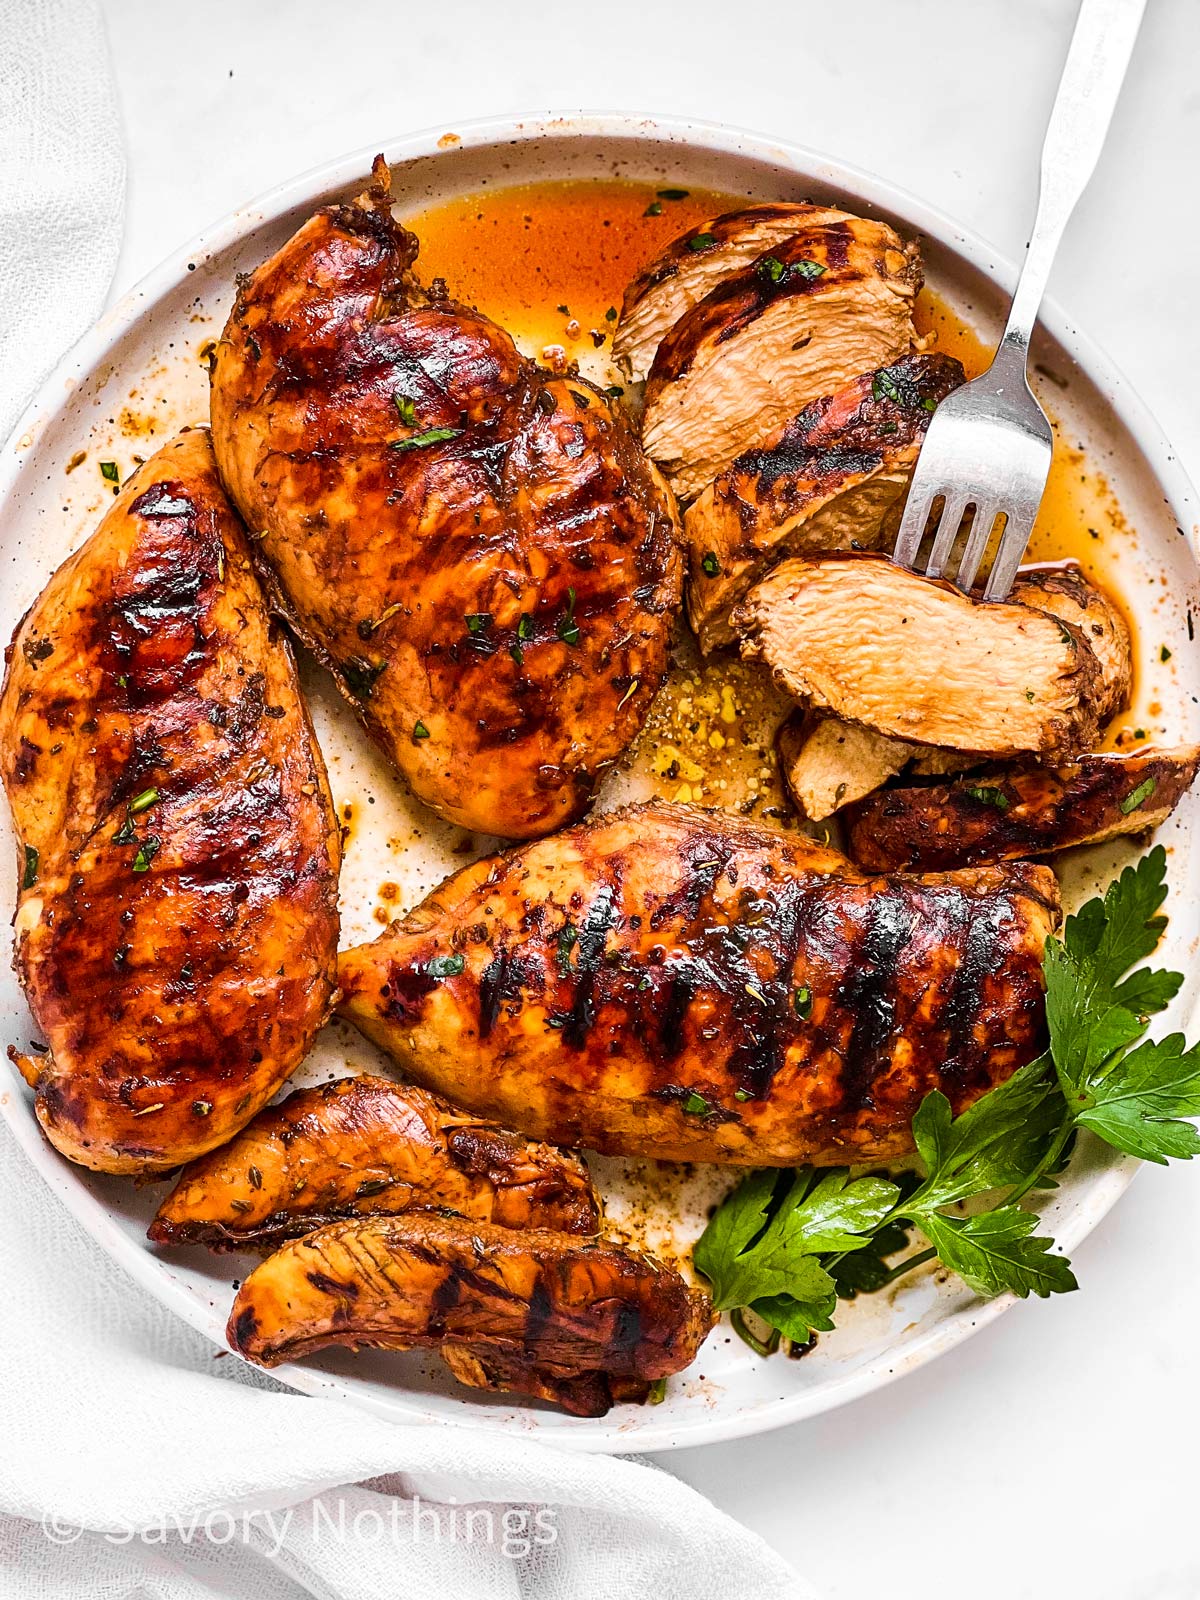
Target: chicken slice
(583, 1324)
(1004, 815)
(478, 551)
(177, 917)
(828, 304)
(914, 658)
(1064, 590)
(683, 984)
(695, 263)
(827, 764)
(366, 1147)
(834, 478)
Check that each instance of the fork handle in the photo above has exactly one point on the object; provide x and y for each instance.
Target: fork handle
(1101, 46)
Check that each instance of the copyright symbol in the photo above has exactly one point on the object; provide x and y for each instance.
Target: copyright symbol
(58, 1530)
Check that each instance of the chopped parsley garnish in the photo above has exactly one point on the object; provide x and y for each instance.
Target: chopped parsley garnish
(126, 833)
(654, 209)
(110, 472)
(420, 731)
(702, 241)
(988, 795)
(710, 566)
(418, 441)
(29, 876)
(568, 936)
(696, 1105)
(673, 194)
(445, 966)
(568, 628)
(614, 391)
(802, 1001)
(362, 675)
(478, 622)
(1139, 796)
(611, 314)
(771, 268)
(1164, 654)
(885, 387)
(407, 410)
(806, 269)
(147, 850)
(525, 628)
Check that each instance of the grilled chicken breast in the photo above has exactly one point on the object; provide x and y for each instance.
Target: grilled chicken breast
(833, 301)
(368, 1147)
(1004, 815)
(915, 659)
(684, 984)
(581, 1324)
(478, 551)
(695, 263)
(834, 478)
(177, 918)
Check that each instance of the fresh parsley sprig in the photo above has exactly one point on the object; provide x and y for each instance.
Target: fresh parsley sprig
(789, 1245)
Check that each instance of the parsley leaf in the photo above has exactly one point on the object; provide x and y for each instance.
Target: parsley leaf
(762, 1241)
(994, 1252)
(1136, 1102)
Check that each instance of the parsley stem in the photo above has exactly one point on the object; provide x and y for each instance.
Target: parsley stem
(918, 1260)
(1048, 1162)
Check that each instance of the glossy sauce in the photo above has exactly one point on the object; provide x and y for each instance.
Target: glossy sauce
(550, 262)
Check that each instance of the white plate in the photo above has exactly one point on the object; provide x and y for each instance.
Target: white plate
(142, 358)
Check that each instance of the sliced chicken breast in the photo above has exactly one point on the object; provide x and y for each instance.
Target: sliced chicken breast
(1002, 815)
(914, 658)
(693, 264)
(1064, 590)
(833, 479)
(827, 763)
(798, 323)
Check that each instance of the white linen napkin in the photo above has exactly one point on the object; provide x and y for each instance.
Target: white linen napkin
(133, 1461)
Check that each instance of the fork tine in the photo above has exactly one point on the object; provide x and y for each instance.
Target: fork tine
(912, 524)
(953, 510)
(1013, 543)
(977, 543)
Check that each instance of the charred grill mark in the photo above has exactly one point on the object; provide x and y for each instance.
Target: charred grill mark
(867, 992)
(601, 918)
(977, 936)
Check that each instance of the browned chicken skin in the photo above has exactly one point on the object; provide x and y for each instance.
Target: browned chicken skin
(367, 1147)
(1003, 815)
(177, 920)
(677, 983)
(479, 551)
(542, 1313)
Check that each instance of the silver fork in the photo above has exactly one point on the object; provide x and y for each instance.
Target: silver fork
(988, 447)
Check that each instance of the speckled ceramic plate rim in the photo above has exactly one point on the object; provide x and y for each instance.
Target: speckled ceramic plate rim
(618, 127)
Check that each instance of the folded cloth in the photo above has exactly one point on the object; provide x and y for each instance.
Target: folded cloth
(62, 186)
(134, 1462)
